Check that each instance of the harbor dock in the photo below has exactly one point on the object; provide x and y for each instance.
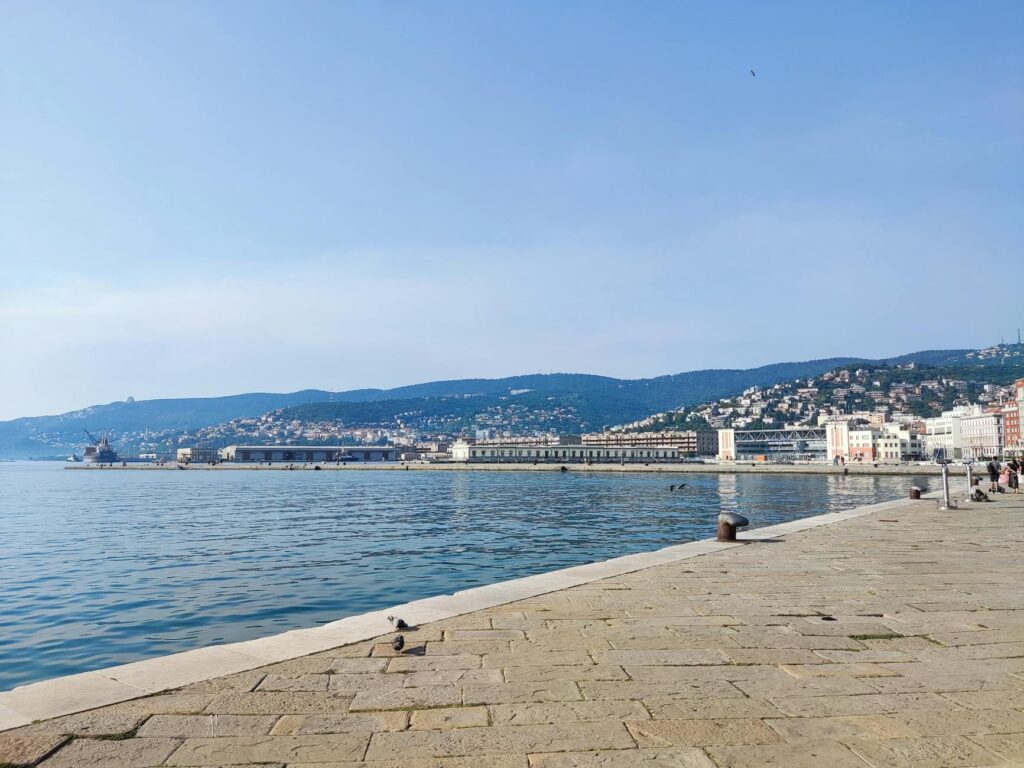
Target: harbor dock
(818, 468)
(890, 635)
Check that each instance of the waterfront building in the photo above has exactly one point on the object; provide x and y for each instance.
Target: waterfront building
(1013, 417)
(195, 455)
(805, 443)
(896, 445)
(892, 443)
(577, 453)
(982, 434)
(432, 451)
(531, 440)
(310, 453)
(863, 445)
(943, 434)
(1011, 413)
(686, 442)
(837, 440)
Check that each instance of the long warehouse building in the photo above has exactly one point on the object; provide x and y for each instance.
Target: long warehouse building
(562, 454)
(313, 453)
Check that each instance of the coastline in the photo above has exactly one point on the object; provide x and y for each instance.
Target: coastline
(666, 468)
(89, 690)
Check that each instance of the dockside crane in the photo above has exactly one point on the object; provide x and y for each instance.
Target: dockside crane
(91, 437)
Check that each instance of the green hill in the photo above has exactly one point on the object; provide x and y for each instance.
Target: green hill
(566, 402)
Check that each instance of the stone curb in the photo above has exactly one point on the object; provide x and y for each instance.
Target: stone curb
(89, 690)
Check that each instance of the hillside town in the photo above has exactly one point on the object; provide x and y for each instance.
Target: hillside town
(854, 414)
(888, 411)
(823, 427)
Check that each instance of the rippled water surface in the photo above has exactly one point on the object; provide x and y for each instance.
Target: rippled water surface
(104, 567)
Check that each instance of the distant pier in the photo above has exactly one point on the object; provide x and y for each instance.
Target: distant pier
(668, 468)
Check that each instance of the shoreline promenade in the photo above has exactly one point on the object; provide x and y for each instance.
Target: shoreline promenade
(890, 635)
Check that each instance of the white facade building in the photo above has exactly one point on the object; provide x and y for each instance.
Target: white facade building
(982, 435)
(893, 443)
(943, 434)
(561, 454)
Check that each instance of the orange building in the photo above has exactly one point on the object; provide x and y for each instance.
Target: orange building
(1012, 413)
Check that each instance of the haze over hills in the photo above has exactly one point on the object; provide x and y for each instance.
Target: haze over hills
(536, 402)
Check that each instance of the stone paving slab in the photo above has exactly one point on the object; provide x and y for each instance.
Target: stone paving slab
(863, 642)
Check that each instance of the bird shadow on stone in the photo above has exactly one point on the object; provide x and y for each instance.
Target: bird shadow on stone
(416, 650)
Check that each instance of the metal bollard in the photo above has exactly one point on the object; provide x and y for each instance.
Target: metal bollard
(915, 492)
(946, 503)
(728, 522)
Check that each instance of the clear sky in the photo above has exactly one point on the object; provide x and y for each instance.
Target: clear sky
(212, 198)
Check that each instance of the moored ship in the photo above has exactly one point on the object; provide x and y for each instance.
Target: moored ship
(100, 452)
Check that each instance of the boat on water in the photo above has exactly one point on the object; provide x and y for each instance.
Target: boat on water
(100, 452)
(74, 458)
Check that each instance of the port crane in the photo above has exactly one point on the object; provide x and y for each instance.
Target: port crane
(91, 437)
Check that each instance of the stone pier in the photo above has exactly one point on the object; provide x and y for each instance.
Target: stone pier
(891, 636)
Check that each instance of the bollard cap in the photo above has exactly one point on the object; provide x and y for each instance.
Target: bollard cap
(916, 488)
(733, 519)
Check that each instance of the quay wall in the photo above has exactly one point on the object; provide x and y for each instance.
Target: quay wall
(60, 696)
(668, 468)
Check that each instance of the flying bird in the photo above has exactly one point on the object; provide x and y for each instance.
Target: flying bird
(398, 623)
(753, 73)
(398, 643)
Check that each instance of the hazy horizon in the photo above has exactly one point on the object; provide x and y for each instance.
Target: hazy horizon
(202, 199)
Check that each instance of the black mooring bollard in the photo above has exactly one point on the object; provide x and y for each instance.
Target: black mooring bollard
(728, 522)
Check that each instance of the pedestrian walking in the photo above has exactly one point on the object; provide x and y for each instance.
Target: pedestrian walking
(993, 468)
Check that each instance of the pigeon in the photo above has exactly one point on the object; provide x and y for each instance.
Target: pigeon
(677, 487)
(398, 643)
(753, 73)
(398, 623)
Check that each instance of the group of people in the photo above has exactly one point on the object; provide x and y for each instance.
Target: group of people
(1008, 475)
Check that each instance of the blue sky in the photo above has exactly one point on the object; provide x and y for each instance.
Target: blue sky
(210, 198)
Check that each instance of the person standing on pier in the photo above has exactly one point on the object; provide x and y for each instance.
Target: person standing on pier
(993, 475)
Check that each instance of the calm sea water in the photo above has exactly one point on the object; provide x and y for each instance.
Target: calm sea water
(101, 568)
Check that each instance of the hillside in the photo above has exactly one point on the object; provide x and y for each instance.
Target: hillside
(567, 402)
(907, 390)
(558, 402)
